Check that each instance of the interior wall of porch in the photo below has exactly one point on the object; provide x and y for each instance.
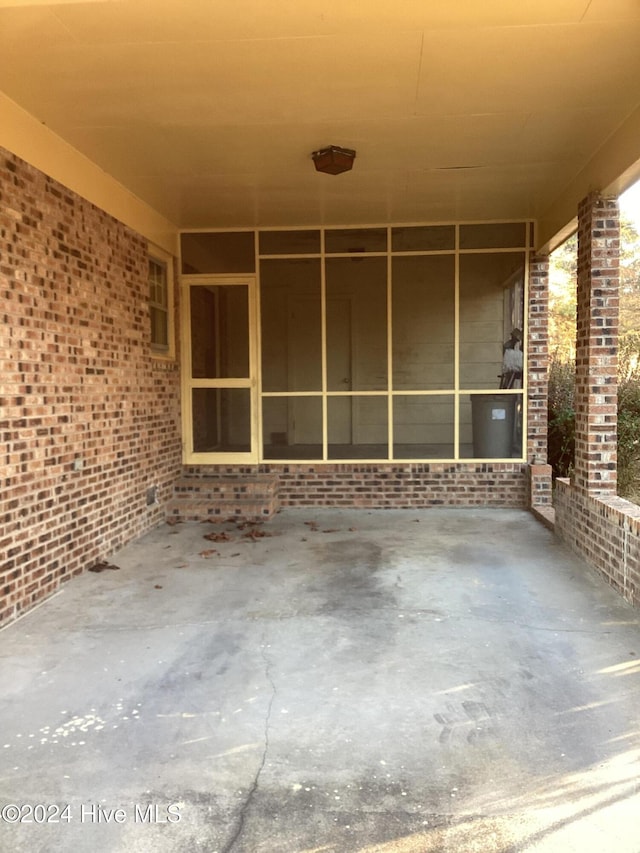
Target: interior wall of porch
(89, 419)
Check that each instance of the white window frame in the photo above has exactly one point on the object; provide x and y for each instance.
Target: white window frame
(166, 261)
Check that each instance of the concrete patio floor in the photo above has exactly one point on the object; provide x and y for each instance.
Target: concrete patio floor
(439, 680)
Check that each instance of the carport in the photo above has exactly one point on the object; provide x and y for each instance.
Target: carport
(192, 312)
(394, 680)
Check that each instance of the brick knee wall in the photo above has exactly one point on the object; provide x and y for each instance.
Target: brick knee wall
(78, 388)
(605, 531)
(389, 485)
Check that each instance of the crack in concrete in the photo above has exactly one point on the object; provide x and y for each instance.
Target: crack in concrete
(549, 628)
(256, 779)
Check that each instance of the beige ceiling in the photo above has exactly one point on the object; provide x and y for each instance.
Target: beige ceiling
(209, 109)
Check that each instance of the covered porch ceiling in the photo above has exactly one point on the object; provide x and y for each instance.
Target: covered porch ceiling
(209, 111)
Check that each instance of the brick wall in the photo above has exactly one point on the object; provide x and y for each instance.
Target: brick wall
(391, 485)
(605, 531)
(89, 421)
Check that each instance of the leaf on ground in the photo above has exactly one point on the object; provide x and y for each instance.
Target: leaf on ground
(172, 521)
(158, 586)
(243, 524)
(256, 534)
(312, 525)
(237, 554)
(332, 530)
(182, 565)
(352, 529)
(208, 552)
(101, 565)
(218, 537)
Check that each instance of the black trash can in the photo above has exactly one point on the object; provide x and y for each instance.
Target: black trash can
(492, 418)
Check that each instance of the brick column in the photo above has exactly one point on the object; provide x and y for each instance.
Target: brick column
(538, 360)
(538, 381)
(596, 398)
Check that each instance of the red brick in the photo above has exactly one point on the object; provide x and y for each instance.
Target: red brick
(79, 382)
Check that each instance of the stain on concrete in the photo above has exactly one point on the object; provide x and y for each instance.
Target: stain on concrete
(345, 577)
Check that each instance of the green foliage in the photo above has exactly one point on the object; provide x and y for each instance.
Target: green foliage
(562, 418)
(561, 429)
(562, 290)
(629, 278)
(562, 299)
(629, 417)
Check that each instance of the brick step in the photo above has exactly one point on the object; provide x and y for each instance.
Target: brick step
(225, 488)
(200, 510)
(246, 497)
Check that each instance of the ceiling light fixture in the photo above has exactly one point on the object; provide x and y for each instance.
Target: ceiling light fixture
(333, 160)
